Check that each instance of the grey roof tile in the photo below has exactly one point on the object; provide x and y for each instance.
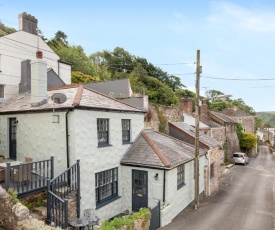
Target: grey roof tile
(175, 151)
(87, 98)
(191, 131)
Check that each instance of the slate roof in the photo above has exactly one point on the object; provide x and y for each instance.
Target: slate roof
(190, 120)
(157, 150)
(119, 88)
(191, 132)
(76, 96)
(235, 112)
(223, 117)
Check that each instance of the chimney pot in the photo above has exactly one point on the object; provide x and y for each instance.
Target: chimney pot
(39, 54)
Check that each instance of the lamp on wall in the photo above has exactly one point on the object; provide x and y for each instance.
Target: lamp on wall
(55, 118)
(156, 176)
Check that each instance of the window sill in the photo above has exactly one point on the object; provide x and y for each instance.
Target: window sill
(127, 143)
(102, 146)
(100, 205)
(180, 186)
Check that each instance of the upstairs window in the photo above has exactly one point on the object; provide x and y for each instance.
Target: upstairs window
(103, 132)
(125, 130)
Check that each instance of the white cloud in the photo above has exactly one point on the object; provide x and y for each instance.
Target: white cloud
(232, 15)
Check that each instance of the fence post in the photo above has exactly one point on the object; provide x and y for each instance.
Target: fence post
(8, 173)
(52, 167)
(49, 216)
(66, 213)
(78, 188)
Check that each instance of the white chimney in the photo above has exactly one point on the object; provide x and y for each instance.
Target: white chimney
(38, 82)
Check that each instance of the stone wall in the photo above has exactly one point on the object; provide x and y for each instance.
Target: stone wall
(10, 211)
(169, 113)
(72, 203)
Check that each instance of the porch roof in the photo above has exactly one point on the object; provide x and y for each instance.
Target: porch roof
(76, 96)
(157, 150)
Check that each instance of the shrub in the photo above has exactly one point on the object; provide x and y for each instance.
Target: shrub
(128, 220)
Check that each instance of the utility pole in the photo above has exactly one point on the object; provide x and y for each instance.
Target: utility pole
(197, 120)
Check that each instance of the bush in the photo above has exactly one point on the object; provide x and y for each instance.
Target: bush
(128, 220)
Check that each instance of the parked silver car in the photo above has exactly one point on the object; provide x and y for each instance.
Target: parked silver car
(240, 158)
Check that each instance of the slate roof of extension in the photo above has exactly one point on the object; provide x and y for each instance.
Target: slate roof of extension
(223, 117)
(190, 131)
(77, 96)
(157, 150)
(190, 120)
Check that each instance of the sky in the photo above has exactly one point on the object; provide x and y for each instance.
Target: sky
(236, 38)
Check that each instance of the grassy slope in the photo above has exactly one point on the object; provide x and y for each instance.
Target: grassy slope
(267, 117)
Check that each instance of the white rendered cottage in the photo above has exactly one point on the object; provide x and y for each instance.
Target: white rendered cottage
(70, 123)
(20, 46)
(160, 168)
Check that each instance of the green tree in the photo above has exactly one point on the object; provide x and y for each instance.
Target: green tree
(248, 140)
(239, 131)
(79, 77)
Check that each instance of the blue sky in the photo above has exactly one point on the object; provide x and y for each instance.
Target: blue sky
(236, 38)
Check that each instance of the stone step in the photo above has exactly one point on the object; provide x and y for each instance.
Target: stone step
(41, 212)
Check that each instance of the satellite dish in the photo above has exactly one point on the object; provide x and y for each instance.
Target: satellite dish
(59, 98)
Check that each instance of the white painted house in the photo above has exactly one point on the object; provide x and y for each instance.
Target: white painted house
(70, 123)
(20, 46)
(160, 168)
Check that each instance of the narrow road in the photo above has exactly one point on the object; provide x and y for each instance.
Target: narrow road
(245, 200)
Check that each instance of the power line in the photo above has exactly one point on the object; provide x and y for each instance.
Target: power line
(241, 79)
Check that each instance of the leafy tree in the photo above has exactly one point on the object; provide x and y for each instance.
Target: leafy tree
(258, 122)
(219, 105)
(213, 94)
(248, 140)
(60, 36)
(79, 77)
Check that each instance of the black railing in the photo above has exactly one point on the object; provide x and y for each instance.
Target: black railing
(29, 177)
(58, 190)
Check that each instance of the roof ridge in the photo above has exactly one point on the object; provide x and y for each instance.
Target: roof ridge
(104, 95)
(64, 87)
(78, 95)
(164, 160)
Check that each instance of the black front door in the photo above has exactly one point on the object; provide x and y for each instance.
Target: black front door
(12, 138)
(139, 189)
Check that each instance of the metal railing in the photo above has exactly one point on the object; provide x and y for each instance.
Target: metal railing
(29, 177)
(58, 190)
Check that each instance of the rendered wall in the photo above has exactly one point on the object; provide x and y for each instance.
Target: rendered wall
(94, 159)
(177, 200)
(19, 46)
(37, 137)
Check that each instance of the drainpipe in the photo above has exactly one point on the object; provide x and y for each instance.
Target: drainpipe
(67, 139)
(208, 158)
(164, 179)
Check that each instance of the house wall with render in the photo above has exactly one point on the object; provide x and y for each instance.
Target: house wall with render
(175, 199)
(36, 137)
(94, 159)
(20, 46)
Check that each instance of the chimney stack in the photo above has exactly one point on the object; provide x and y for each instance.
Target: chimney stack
(186, 105)
(204, 108)
(38, 82)
(27, 23)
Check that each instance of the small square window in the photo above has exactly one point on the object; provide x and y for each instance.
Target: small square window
(180, 176)
(125, 130)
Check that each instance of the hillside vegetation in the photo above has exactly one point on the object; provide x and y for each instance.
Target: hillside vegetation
(161, 87)
(268, 118)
